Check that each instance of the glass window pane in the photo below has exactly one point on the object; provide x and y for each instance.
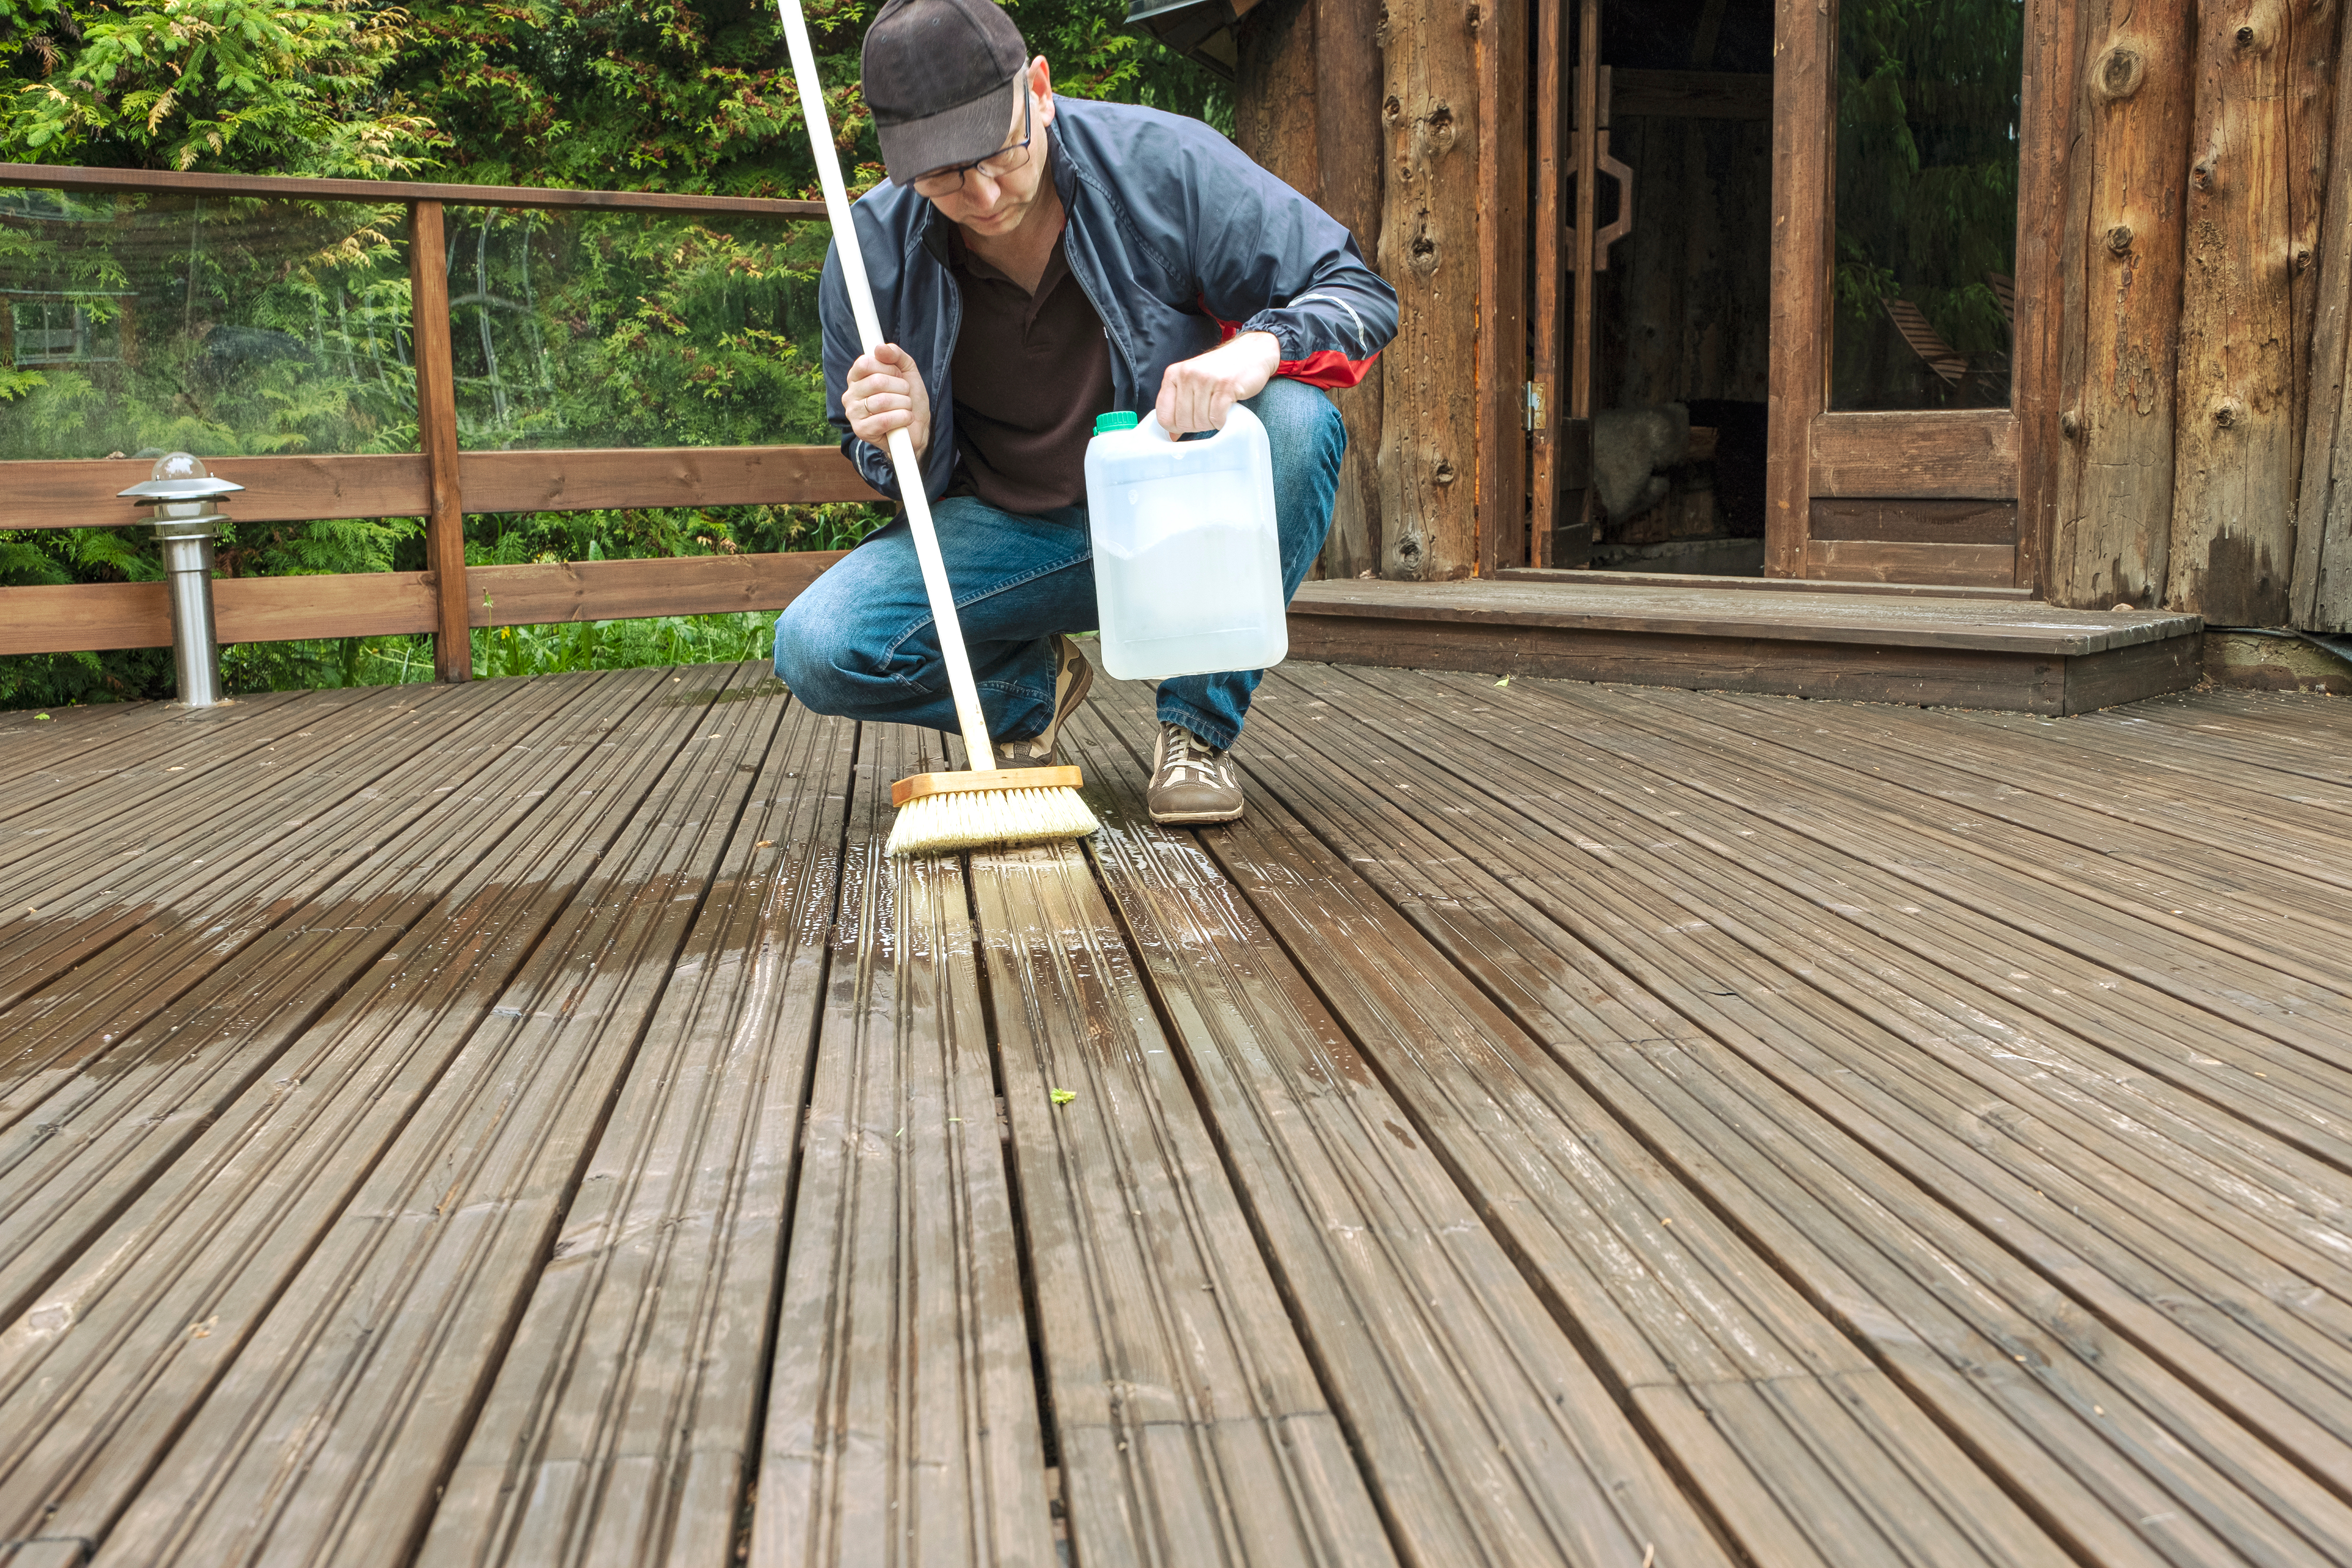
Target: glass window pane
(598, 329)
(221, 326)
(1926, 202)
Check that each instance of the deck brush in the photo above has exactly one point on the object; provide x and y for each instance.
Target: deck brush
(1005, 807)
(986, 806)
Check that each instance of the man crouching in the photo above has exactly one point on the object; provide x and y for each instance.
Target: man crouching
(1036, 263)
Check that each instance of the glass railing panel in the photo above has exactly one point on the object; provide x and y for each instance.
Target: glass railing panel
(1925, 243)
(137, 323)
(617, 328)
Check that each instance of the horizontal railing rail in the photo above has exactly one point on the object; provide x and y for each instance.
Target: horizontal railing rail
(439, 482)
(83, 492)
(386, 603)
(96, 182)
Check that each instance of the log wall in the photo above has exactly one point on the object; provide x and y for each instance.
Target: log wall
(1428, 252)
(1310, 72)
(2199, 453)
(2202, 303)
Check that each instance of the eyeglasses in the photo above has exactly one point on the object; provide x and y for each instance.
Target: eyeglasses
(996, 165)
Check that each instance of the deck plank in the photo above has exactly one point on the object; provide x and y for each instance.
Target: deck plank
(94, 787)
(116, 891)
(32, 740)
(304, 1356)
(1582, 933)
(1483, 1432)
(1186, 1417)
(2032, 940)
(2264, 1027)
(2281, 736)
(86, 1136)
(1608, 1122)
(1743, 1383)
(116, 958)
(2220, 900)
(1889, 916)
(621, 1428)
(902, 1424)
(2204, 804)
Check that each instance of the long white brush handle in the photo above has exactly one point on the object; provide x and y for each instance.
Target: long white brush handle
(869, 334)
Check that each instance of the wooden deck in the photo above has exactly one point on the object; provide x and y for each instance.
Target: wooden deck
(529, 1122)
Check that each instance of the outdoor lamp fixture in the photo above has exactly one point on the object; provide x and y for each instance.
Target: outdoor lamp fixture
(183, 492)
(1202, 30)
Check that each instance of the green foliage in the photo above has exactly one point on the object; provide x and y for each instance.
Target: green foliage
(698, 98)
(623, 645)
(498, 651)
(1929, 100)
(635, 330)
(244, 326)
(210, 84)
(219, 327)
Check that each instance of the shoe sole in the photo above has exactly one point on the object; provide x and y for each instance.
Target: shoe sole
(1198, 818)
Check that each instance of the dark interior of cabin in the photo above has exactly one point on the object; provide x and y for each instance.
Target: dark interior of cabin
(1682, 293)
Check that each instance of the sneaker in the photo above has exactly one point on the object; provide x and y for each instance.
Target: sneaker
(1191, 781)
(1072, 678)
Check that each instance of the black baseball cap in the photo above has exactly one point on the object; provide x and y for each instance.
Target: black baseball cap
(940, 77)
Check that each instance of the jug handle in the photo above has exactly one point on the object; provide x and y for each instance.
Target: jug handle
(1209, 437)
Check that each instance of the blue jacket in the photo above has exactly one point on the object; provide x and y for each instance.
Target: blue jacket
(1177, 237)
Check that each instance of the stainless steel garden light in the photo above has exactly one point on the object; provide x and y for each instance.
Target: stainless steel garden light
(183, 492)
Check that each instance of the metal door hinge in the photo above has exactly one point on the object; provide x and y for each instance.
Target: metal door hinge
(1535, 406)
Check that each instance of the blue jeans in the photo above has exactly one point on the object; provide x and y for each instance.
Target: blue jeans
(859, 642)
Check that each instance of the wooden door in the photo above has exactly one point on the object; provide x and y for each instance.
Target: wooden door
(1956, 495)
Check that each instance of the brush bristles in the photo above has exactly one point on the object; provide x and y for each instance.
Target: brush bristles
(989, 819)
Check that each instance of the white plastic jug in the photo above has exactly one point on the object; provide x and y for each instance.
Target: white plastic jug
(1188, 562)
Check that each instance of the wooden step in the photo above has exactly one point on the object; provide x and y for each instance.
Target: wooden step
(1956, 650)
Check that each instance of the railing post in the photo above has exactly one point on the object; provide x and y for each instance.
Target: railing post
(437, 432)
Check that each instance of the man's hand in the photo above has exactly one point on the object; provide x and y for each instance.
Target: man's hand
(1197, 393)
(884, 394)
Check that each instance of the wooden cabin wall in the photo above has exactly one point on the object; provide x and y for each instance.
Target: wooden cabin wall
(2195, 309)
(1429, 253)
(2249, 202)
(2111, 539)
(2320, 592)
(1408, 122)
(1304, 108)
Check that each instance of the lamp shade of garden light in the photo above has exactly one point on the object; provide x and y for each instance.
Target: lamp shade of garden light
(186, 520)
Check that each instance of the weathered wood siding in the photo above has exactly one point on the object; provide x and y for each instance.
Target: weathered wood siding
(2233, 465)
(1310, 75)
(2112, 531)
(2198, 281)
(2321, 591)
(1429, 251)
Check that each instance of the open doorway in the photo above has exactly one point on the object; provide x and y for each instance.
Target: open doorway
(1885, 301)
(1662, 318)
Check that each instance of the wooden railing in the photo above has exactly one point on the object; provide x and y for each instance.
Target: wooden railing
(438, 482)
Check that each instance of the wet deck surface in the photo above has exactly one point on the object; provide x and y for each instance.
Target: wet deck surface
(530, 1122)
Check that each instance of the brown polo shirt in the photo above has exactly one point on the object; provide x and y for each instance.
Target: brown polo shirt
(1030, 372)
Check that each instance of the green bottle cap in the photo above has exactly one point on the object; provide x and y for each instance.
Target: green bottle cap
(1116, 420)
